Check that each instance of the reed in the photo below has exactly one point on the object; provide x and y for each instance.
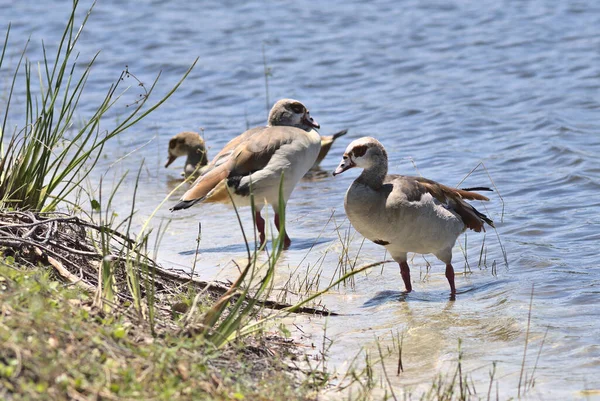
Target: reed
(502, 203)
(227, 320)
(48, 159)
(267, 72)
(44, 164)
(51, 154)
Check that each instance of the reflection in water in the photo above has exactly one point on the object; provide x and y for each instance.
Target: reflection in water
(173, 182)
(316, 175)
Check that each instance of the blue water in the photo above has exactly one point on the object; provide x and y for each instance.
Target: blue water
(444, 85)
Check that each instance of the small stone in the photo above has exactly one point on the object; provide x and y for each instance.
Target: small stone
(180, 308)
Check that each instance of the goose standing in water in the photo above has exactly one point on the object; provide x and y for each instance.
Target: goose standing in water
(406, 214)
(255, 161)
(188, 144)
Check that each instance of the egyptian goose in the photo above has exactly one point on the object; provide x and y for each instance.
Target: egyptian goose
(255, 161)
(188, 144)
(406, 214)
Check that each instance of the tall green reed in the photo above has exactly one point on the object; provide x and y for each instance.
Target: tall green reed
(50, 155)
(229, 317)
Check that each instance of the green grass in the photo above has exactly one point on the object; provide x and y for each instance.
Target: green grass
(56, 345)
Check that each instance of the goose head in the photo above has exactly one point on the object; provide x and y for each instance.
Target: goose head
(365, 153)
(188, 144)
(290, 112)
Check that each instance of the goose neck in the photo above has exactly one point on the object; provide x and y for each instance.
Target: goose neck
(374, 175)
(196, 157)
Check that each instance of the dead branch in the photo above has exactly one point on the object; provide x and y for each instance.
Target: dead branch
(73, 248)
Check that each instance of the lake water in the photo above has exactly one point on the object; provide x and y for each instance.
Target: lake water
(444, 85)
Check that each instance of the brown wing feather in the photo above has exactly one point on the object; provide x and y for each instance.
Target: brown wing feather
(206, 183)
(219, 168)
(469, 215)
(218, 194)
(230, 147)
(242, 156)
(255, 154)
(468, 194)
(454, 198)
(443, 189)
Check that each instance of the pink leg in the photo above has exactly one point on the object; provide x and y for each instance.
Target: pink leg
(287, 241)
(405, 272)
(450, 277)
(260, 226)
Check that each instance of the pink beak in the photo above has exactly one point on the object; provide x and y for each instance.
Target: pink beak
(345, 164)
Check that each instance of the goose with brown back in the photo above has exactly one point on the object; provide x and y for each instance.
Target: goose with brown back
(406, 214)
(256, 160)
